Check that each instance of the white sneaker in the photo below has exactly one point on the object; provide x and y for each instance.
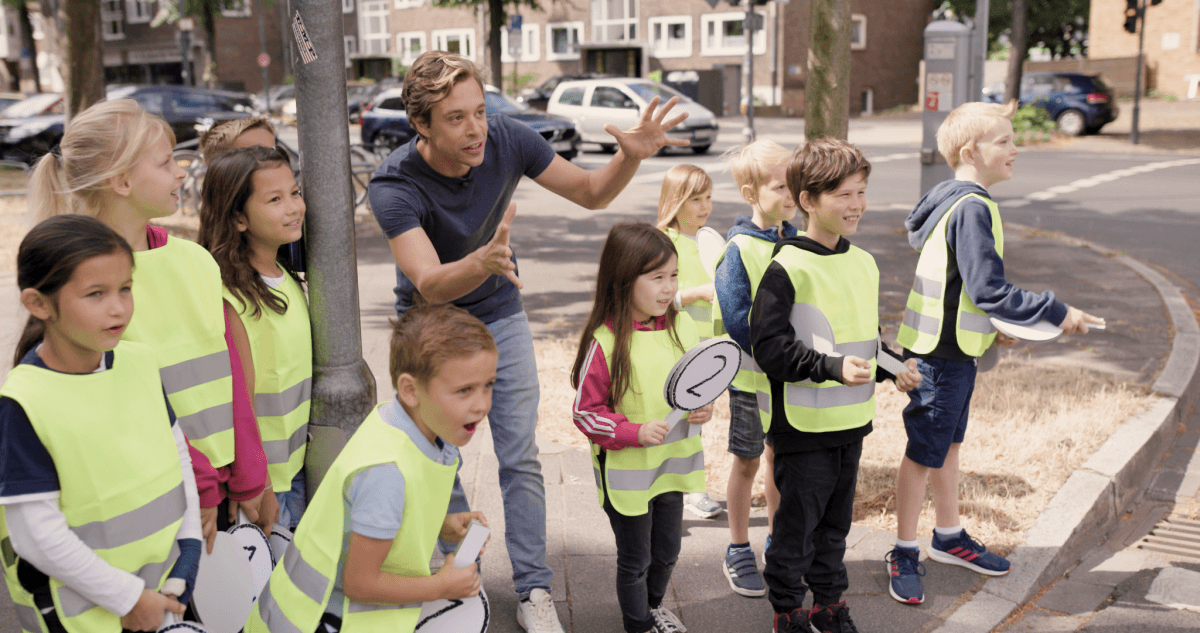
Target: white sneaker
(537, 614)
(666, 621)
(700, 505)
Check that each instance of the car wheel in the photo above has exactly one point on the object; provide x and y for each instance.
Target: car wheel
(608, 148)
(701, 149)
(1094, 129)
(1072, 122)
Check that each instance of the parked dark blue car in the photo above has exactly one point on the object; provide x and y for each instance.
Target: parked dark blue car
(385, 124)
(1078, 103)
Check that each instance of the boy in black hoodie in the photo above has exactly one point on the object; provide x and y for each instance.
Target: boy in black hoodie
(959, 285)
(822, 391)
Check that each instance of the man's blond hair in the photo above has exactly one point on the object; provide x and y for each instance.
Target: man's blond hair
(966, 124)
(431, 78)
(752, 163)
(221, 137)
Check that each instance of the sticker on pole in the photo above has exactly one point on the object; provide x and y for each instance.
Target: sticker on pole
(700, 376)
(939, 91)
(264, 60)
(308, 53)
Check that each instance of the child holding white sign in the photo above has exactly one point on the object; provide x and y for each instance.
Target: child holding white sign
(631, 341)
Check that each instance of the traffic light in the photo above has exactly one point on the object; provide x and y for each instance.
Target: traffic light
(1131, 15)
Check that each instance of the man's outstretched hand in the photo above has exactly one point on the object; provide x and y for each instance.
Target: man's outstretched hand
(650, 134)
(496, 255)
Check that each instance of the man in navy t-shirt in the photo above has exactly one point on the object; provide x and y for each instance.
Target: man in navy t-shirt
(443, 202)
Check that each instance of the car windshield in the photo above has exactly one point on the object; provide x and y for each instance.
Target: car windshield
(30, 107)
(502, 103)
(648, 91)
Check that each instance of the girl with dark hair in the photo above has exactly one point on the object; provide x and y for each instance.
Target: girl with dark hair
(632, 339)
(90, 441)
(251, 208)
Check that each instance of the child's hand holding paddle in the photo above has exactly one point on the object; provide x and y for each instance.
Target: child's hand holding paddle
(1077, 321)
(855, 371)
(701, 415)
(652, 433)
(147, 614)
(458, 582)
(907, 381)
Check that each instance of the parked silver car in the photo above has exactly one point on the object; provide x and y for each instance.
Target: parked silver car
(592, 103)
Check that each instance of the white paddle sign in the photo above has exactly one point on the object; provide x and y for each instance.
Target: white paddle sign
(1038, 332)
(469, 615)
(710, 244)
(224, 590)
(700, 376)
(258, 552)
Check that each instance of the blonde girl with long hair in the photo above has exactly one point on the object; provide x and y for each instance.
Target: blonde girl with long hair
(115, 163)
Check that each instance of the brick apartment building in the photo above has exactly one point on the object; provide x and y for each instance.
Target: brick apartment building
(1172, 46)
(636, 37)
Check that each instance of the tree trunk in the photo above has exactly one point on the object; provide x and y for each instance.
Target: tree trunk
(82, 63)
(28, 43)
(209, 73)
(1019, 37)
(496, 17)
(827, 89)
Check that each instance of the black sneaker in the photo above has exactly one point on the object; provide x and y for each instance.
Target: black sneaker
(794, 621)
(834, 618)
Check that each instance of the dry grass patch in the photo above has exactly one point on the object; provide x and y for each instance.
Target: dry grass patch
(1031, 426)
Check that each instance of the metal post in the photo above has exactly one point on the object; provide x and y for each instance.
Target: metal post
(1137, 82)
(748, 71)
(262, 49)
(979, 56)
(343, 390)
(185, 44)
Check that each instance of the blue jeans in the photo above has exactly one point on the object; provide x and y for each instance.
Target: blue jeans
(936, 415)
(746, 436)
(513, 421)
(292, 503)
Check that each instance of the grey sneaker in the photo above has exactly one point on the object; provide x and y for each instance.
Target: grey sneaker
(700, 505)
(666, 622)
(742, 573)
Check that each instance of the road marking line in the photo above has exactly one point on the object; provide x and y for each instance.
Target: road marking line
(891, 157)
(1092, 181)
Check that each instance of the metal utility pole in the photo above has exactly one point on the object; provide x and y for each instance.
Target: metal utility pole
(262, 55)
(1137, 82)
(979, 55)
(748, 70)
(343, 390)
(185, 43)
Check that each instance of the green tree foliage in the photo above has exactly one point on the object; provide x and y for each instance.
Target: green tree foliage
(497, 11)
(1058, 25)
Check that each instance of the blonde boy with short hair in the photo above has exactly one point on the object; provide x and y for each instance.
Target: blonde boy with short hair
(236, 134)
(760, 171)
(959, 284)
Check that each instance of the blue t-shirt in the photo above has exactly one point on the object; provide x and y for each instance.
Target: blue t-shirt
(27, 471)
(460, 214)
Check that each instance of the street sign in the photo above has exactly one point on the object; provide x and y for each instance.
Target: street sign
(712, 3)
(514, 22)
(264, 60)
(186, 24)
(754, 22)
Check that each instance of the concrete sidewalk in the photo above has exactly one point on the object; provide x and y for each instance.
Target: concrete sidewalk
(580, 546)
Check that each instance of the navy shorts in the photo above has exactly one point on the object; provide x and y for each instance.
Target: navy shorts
(936, 415)
(746, 434)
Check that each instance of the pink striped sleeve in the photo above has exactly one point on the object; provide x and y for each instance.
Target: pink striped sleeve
(592, 411)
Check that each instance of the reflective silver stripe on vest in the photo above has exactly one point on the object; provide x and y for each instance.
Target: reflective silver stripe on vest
(862, 349)
(196, 371)
(922, 323)
(978, 323)
(642, 479)
(280, 451)
(206, 422)
(764, 401)
(748, 364)
(362, 607)
(699, 313)
(312, 582)
(29, 618)
(281, 404)
(927, 287)
(136, 524)
(274, 617)
(74, 605)
(598, 476)
(812, 397)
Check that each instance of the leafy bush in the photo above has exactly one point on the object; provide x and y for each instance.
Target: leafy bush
(1032, 124)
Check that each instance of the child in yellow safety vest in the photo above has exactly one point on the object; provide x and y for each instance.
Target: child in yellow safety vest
(633, 337)
(360, 557)
(683, 208)
(100, 511)
(116, 163)
(251, 208)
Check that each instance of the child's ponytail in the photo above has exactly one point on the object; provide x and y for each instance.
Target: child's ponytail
(49, 255)
(46, 179)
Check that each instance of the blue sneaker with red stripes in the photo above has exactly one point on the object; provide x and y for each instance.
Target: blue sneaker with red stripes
(967, 552)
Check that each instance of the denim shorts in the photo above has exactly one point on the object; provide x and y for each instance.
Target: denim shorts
(936, 415)
(746, 435)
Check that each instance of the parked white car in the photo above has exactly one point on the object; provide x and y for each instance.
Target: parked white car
(592, 103)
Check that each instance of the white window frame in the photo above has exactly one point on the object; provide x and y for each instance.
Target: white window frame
(405, 51)
(243, 11)
(138, 11)
(551, 55)
(350, 43)
(35, 26)
(112, 14)
(665, 22)
(601, 21)
(721, 48)
(858, 22)
(441, 38)
(408, 4)
(531, 44)
(371, 43)
(347, 6)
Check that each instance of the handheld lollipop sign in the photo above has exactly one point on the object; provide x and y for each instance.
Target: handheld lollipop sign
(224, 591)
(813, 328)
(700, 376)
(258, 552)
(710, 244)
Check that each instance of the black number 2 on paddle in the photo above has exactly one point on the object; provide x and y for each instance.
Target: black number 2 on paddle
(724, 361)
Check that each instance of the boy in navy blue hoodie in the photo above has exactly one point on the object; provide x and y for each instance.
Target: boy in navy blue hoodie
(959, 285)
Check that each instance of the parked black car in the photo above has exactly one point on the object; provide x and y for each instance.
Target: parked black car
(1078, 103)
(538, 97)
(384, 122)
(186, 109)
